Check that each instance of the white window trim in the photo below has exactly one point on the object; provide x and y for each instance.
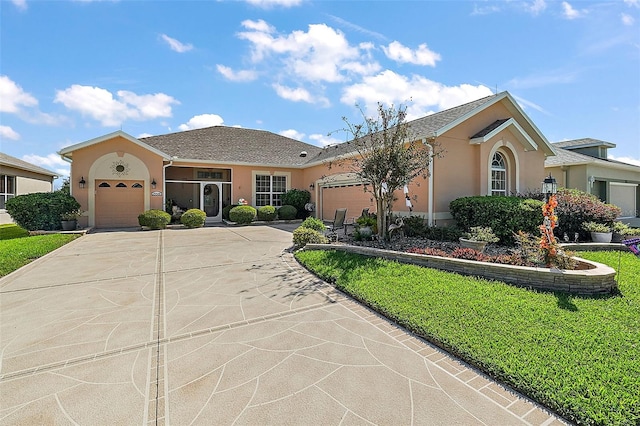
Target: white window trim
(506, 152)
(255, 173)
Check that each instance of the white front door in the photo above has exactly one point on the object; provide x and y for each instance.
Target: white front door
(211, 200)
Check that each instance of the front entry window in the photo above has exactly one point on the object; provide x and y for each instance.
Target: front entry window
(7, 189)
(269, 190)
(498, 174)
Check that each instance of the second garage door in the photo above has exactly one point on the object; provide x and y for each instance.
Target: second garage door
(118, 203)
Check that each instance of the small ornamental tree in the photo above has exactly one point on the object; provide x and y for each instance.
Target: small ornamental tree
(386, 157)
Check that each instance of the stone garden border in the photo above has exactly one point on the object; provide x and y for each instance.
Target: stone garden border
(599, 279)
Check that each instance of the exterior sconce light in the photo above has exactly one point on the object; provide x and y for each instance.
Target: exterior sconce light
(312, 186)
(82, 182)
(153, 184)
(549, 187)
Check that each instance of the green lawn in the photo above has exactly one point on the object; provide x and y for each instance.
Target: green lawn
(16, 252)
(579, 356)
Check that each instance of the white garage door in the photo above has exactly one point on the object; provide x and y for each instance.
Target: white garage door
(623, 195)
(118, 203)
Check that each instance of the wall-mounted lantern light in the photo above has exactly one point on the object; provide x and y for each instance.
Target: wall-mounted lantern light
(153, 184)
(312, 186)
(82, 182)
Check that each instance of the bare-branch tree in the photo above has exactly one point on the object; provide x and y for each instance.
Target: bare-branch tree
(385, 156)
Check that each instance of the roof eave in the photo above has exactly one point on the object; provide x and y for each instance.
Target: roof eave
(67, 152)
(519, 133)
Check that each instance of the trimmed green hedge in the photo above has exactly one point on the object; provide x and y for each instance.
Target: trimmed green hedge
(297, 198)
(505, 215)
(227, 209)
(267, 213)
(154, 219)
(313, 223)
(41, 210)
(242, 214)
(193, 218)
(303, 236)
(287, 212)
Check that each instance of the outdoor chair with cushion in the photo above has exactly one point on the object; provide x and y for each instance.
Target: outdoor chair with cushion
(337, 224)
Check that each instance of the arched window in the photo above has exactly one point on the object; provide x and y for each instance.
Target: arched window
(498, 174)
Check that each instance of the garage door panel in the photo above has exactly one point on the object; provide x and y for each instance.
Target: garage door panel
(353, 197)
(119, 203)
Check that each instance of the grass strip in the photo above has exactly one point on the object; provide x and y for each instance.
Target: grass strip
(10, 231)
(17, 252)
(577, 355)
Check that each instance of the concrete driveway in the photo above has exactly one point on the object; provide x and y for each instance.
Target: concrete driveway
(218, 326)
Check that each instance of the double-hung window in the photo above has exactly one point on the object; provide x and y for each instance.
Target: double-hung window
(269, 190)
(7, 189)
(498, 175)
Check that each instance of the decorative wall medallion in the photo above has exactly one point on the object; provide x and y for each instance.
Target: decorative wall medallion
(120, 168)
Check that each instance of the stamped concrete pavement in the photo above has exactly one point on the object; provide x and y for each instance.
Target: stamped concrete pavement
(218, 326)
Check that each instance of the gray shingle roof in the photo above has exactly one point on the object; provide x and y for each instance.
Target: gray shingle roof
(233, 145)
(583, 143)
(421, 127)
(566, 157)
(490, 128)
(9, 161)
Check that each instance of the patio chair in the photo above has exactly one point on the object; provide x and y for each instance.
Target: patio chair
(337, 224)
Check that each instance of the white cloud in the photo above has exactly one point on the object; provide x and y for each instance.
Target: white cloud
(418, 93)
(632, 3)
(421, 56)
(628, 160)
(485, 10)
(324, 140)
(51, 162)
(144, 135)
(293, 134)
(201, 121)
(176, 45)
(570, 13)
(7, 132)
(536, 7)
(357, 28)
(627, 19)
(528, 104)
(296, 95)
(267, 4)
(20, 4)
(242, 75)
(542, 79)
(101, 105)
(12, 96)
(321, 54)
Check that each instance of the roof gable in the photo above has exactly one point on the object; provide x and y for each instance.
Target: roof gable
(499, 125)
(9, 161)
(68, 151)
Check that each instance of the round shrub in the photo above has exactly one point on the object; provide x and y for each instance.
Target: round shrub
(303, 236)
(226, 210)
(267, 213)
(242, 214)
(154, 219)
(193, 218)
(575, 207)
(313, 223)
(297, 198)
(505, 215)
(287, 212)
(41, 210)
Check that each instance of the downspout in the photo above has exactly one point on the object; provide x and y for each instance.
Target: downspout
(164, 184)
(430, 197)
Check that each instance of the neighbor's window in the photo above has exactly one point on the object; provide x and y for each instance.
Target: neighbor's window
(498, 175)
(269, 190)
(7, 189)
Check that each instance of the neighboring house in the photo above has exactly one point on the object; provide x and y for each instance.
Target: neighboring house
(583, 164)
(18, 177)
(491, 147)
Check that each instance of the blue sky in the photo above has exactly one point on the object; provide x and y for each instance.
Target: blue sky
(74, 70)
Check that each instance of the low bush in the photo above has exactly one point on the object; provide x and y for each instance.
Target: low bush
(267, 213)
(11, 231)
(154, 219)
(193, 218)
(297, 198)
(303, 236)
(287, 212)
(576, 207)
(505, 215)
(414, 226)
(443, 233)
(41, 210)
(226, 210)
(313, 223)
(242, 214)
